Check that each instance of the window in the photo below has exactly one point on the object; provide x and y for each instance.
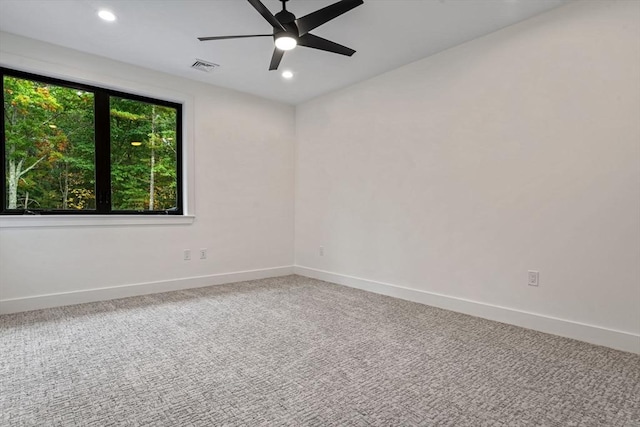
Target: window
(70, 148)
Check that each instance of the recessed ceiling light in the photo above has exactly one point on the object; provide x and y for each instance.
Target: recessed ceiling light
(287, 74)
(106, 15)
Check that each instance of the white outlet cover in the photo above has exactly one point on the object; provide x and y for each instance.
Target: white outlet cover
(533, 278)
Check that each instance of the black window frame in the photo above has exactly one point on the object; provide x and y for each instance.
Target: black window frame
(102, 135)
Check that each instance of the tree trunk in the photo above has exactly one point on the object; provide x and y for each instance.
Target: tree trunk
(152, 180)
(65, 187)
(15, 172)
(153, 158)
(14, 177)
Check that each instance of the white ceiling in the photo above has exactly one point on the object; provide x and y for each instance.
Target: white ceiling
(162, 35)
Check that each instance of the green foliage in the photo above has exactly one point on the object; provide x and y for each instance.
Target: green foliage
(145, 172)
(50, 150)
(48, 142)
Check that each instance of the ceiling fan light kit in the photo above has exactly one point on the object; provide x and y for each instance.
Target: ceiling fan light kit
(289, 31)
(285, 41)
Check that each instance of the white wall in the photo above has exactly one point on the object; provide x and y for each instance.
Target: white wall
(456, 174)
(242, 166)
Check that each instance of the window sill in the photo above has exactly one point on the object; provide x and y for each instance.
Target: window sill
(29, 221)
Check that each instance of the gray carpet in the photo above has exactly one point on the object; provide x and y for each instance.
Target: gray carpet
(299, 352)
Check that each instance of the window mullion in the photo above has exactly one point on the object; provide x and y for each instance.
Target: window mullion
(103, 152)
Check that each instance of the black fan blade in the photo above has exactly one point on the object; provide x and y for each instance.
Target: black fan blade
(204, 39)
(275, 59)
(266, 14)
(309, 40)
(326, 14)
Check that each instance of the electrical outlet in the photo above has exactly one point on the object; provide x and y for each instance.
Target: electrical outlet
(321, 251)
(534, 278)
(203, 253)
(187, 254)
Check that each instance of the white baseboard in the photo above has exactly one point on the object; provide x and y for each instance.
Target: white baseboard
(101, 294)
(619, 340)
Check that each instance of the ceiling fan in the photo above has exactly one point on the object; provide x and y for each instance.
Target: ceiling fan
(289, 31)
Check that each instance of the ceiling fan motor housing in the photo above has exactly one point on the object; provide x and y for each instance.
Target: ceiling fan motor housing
(287, 19)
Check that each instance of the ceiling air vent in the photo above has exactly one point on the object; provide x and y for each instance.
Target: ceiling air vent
(205, 66)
